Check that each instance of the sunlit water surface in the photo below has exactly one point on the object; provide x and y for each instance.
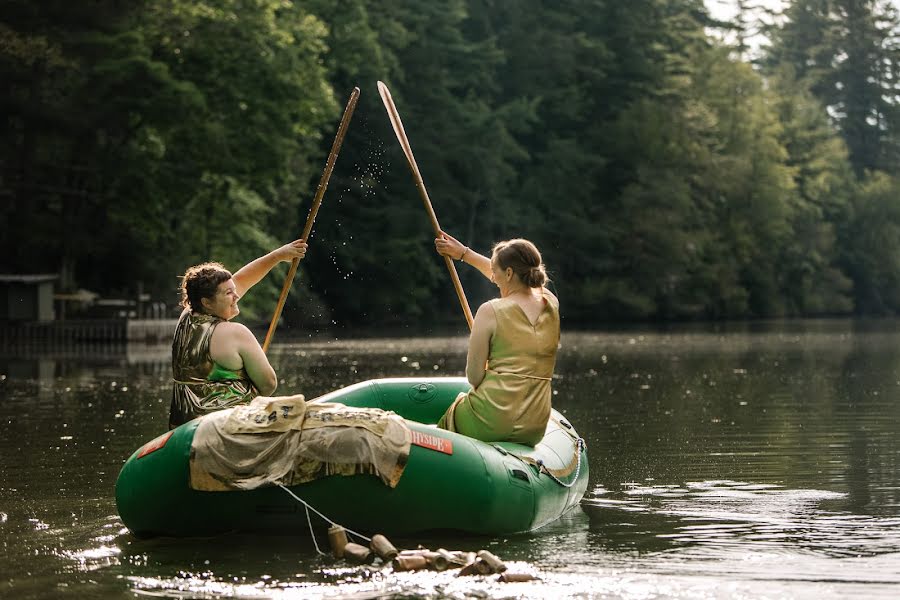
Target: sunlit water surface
(754, 463)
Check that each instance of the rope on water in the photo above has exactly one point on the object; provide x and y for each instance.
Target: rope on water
(309, 521)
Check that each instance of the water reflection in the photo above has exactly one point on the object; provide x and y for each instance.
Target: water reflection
(752, 463)
(714, 516)
(679, 408)
(43, 363)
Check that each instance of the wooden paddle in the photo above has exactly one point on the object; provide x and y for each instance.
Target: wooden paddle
(407, 150)
(317, 201)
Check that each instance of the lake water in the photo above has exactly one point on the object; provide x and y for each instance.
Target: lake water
(750, 462)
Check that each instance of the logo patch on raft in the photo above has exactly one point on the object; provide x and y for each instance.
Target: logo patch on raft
(155, 444)
(432, 442)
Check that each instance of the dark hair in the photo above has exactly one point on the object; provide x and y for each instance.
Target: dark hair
(202, 281)
(524, 259)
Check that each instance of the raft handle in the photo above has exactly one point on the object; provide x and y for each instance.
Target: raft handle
(500, 449)
(519, 474)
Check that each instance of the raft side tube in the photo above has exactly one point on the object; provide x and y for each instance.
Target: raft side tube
(422, 400)
(480, 488)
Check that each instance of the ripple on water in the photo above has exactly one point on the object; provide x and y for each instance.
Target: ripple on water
(357, 583)
(720, 519)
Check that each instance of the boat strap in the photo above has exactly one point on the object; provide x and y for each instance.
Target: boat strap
(565, 427)
(574, 466)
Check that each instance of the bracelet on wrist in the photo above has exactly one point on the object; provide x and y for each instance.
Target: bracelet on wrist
(463, 255)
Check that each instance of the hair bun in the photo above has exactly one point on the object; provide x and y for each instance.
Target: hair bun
(535, 277)
(523, 258)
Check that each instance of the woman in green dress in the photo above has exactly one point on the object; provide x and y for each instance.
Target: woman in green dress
(512, 348)
(216, 363)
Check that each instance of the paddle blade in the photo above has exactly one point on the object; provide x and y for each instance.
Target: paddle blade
(396, 123)
(407, 150)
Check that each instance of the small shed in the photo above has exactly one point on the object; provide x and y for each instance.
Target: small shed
(26, 297)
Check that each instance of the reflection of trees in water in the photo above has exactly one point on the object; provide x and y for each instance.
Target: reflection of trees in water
(867, 402)
(804, 409)
(85, 361)
(759, 407)
(631, 531)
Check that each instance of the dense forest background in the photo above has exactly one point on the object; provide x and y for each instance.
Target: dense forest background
(666, 174)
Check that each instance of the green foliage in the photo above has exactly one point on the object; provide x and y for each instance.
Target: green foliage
(843, 54)
(662, 175)
(873, 245)
(812, 277)
(129, 127)
(848, 53)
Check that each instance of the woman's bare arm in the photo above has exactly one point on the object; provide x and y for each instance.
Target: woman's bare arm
(253, 272)
(483, 328)
(447, 245)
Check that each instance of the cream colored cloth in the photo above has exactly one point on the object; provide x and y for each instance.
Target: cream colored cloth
(265, 414)
(512, 403)
(287, 441)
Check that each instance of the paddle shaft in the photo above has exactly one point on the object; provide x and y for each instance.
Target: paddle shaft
(314, 209)
(417, 176)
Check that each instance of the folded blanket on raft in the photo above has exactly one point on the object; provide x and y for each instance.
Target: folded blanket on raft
(284, 440)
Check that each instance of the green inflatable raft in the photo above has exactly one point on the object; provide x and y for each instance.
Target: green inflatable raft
(451, 482)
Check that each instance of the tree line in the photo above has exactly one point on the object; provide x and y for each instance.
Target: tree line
(664, 173)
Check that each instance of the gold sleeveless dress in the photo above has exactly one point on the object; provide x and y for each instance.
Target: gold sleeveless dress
(201, 385)
(512, 403)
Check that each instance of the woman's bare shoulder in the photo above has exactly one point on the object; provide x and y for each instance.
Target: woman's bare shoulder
(234, 332)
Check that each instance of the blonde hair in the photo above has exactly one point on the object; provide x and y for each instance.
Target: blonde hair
(523, 258)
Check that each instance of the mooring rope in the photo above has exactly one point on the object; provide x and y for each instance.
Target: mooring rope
(309, 521)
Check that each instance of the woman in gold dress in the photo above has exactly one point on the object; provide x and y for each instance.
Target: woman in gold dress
(512, 348)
